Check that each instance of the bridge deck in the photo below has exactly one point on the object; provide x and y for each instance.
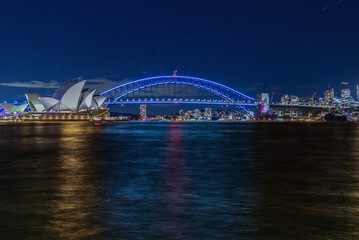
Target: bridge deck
(182, 102)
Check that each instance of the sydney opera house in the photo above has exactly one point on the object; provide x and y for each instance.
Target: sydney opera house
(68, 101)
(70, 97)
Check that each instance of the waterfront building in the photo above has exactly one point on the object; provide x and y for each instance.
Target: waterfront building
(197, 113)
(188, 114)
(70, 97)
(230, 116)
(181, 112)
(208, 113)
(143, 112)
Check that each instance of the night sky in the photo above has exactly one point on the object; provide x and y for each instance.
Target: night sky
(294, 47)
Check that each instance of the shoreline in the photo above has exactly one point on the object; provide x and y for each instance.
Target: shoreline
(96, 122)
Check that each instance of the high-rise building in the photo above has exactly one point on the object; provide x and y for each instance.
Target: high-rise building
(263, 100)
(345, 93)
(285, 99)
(329, 93)
(358, 92)
(294, 99)
(143, 112)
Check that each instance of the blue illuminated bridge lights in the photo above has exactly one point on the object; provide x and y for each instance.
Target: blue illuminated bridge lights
(228, 96)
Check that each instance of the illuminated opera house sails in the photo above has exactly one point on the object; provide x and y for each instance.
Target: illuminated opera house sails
(12, 109)
(69, 97)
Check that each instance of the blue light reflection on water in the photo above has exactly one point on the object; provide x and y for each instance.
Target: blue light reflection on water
(175, 176)
(187, 178)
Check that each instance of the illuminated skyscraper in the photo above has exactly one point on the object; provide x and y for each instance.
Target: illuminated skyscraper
(329, 94)
(358, 92)
(263, 100)
(143, 112)
(345, 93)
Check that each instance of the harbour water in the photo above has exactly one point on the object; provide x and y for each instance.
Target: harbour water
(179, 180)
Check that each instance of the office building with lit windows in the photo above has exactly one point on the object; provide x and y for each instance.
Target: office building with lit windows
(329, 94)
(345, 94)
(143, 112)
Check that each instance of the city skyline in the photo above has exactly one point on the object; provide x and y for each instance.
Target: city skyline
(329, 100)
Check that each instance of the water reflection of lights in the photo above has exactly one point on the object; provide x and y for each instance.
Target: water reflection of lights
(75, 198)
(175, 190)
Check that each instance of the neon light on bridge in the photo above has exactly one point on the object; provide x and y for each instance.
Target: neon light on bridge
(229, 95)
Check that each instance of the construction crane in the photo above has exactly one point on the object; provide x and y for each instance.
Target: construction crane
(314, 94)
(271, 100)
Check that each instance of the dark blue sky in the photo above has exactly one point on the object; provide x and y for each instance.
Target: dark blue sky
(286, 46)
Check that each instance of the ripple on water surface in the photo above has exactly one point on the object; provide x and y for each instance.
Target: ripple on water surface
(179, 180)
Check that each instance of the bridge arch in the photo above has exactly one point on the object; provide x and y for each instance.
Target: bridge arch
(230, 95)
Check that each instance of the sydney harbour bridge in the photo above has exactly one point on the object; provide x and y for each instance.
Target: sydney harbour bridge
(189, 90)
(178, 90)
